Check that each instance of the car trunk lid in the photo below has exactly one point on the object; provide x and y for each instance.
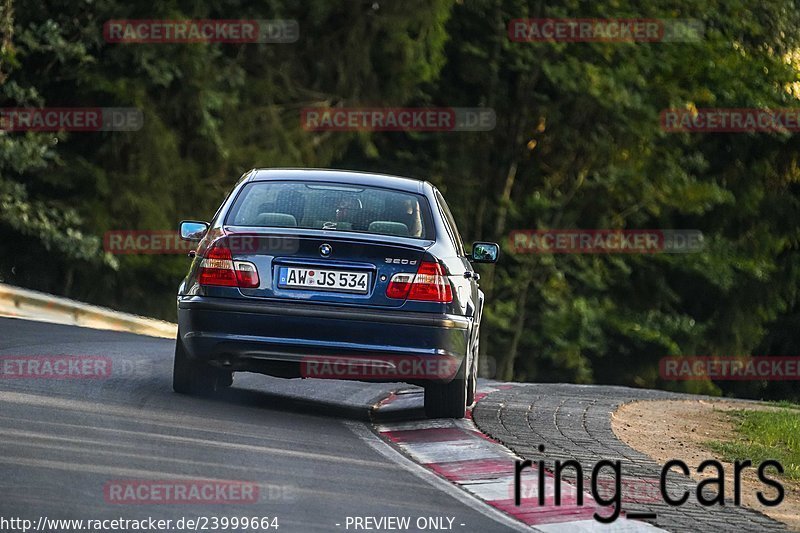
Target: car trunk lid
(338, 267)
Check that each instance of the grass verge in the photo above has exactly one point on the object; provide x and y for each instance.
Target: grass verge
(762, 435)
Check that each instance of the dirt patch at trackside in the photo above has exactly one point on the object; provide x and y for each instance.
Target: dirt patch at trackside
(680, 429)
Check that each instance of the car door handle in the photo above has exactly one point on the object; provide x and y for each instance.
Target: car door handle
(472, 275)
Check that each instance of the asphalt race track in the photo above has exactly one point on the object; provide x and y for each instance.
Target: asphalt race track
(63, 441)
(305, 455)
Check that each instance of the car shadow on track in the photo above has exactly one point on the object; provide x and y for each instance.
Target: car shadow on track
(405, 405)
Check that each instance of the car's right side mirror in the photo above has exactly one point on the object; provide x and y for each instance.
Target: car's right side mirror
(192, 230)
(484, 252)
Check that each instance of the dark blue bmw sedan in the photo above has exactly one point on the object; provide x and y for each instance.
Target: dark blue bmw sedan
(332, 274)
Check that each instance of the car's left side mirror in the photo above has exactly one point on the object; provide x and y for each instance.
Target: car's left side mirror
(484, 252)
(192, 230)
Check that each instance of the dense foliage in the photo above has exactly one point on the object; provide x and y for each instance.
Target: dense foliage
(577, 144)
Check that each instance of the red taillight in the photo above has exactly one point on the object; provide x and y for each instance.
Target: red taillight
(400, 285)
(246, 274)
(429, 285)
(218, 268)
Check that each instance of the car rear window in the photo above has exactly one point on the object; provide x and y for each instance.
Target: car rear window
(328, 206)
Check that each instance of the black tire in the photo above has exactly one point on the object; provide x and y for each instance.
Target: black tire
(472, 382)
(447, 400)
(224, 378)
(192, 377)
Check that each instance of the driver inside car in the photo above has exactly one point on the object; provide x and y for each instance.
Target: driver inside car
(349, 211)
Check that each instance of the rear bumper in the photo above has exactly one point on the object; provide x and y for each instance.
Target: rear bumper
(265, 336)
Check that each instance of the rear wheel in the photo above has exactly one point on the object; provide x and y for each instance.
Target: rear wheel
(195, 377)
(224, 378)
(472, 380)
(472, 384)
(447, 400)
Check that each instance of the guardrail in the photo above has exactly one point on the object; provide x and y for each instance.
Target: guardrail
(34, 305)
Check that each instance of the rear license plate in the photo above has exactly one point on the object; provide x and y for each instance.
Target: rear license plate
(323, 279)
